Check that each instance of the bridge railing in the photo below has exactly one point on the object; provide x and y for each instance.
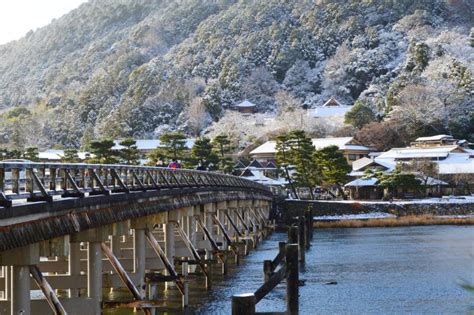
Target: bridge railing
(41, 181)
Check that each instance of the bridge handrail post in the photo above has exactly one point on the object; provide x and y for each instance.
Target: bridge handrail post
(243, 304)
(292, 279)
(302, 237)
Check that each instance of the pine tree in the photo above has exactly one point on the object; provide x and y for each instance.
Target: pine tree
(334, 167)
(102, 151)
(395, 180)
(359, 115)
(202, 152)
(222, 144)
(284, 160)
(129, 154)
(306, 170)
(70, 156)
(174, 144)
(31, 153)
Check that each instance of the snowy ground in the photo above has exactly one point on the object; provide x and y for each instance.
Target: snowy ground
(444, 199)
(361, 216)
(375, 215)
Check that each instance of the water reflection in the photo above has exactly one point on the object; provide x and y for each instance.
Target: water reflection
(378, 271)
(413, 270)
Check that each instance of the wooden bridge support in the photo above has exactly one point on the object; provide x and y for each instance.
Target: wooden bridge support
(18, 261)
(118, 255)
(209, 213)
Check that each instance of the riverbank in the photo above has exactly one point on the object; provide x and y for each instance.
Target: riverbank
(437, 207)
(412, 220)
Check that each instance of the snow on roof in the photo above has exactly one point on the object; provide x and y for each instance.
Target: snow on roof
(430, 181)
(332, 102)
(362, 182)
(413, 153)
(246, 103)
(329, 111)
(342, 143)
(356, 173)
(361, 163)
(258, 177)
(355, 147)
(150, 144)
(452, 162)
(434, 138)
(56, 155)
(52, 155)
(457, 163)
(388, 163)
(267, 147)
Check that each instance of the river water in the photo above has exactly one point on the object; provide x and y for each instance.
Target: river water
(416, 270)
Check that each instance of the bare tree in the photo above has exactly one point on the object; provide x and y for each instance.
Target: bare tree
(198, 116)
(418, 106)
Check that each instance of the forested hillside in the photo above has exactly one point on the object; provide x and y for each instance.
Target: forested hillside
(116, 68)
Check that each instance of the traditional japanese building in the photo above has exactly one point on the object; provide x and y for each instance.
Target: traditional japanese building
(350, 148)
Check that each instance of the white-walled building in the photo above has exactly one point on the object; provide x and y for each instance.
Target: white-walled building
(350, 148)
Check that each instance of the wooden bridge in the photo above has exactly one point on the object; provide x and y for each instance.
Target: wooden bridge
(77, 229)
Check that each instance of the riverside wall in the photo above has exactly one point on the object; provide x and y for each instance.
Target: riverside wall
(292, 208)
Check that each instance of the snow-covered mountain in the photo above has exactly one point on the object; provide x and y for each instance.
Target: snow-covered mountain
(114, 68)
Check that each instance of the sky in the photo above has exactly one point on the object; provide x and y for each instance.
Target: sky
(18, 17)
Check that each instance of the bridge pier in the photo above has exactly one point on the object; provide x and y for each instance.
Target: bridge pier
(221, 210)
(168, 230)
(18, 261)
(139, 256)
(74, 264)
(21, 290)
(94, 238)
(209, 212)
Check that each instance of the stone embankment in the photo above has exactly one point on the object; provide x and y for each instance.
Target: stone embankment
(434, 207)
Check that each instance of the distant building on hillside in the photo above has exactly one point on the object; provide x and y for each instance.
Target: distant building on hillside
(246, 107)
(454, 160)
(350, 148)
(439, 140)
(331, 108)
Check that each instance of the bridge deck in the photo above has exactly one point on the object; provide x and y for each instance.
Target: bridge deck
(43, 200)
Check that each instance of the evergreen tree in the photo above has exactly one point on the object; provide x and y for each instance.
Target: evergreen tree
(222, 144)
(70, 156)
(283, 159)
(31, 153)
(102, 151)
(10, 154)
(359, 115)
(174, 144)
(334, 167)
(395, 180)
(129, 154)
(212, 100)
(202, 152)
(306, 170)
